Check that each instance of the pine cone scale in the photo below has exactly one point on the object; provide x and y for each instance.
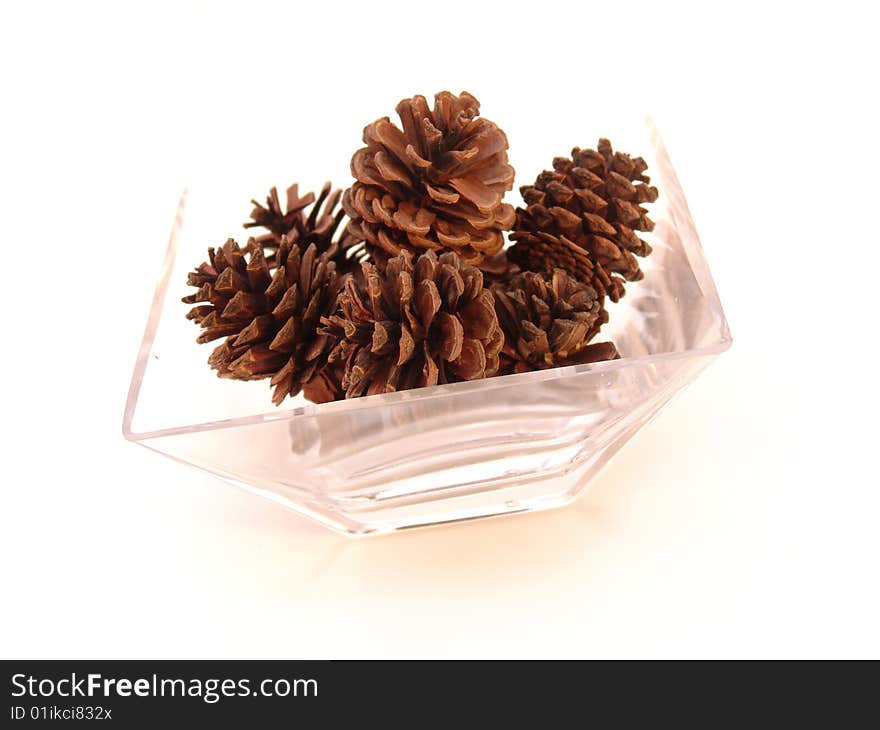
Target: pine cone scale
(471, 363)
(427, 302)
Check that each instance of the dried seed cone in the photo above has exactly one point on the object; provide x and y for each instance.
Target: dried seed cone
(583, 216)
(549, 321)
(419, 323)
(319, 225)
(435, 184)
(270, 318)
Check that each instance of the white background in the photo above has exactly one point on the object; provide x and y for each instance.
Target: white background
(742, 522)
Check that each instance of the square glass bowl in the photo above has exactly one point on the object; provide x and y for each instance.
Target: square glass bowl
(434, 455)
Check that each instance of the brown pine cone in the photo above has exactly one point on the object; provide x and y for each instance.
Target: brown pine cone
(548, 322)
(269, 318)
(319, 227)
(416, 325)
(436, 184)
(582, 217)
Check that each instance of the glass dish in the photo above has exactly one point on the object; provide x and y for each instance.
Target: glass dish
(422, 457)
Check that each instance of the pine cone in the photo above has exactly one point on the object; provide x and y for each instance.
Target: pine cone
(416, 325)
(319, 227)
(270, 319)
(582, 217)
(437, 184)
(549, 321)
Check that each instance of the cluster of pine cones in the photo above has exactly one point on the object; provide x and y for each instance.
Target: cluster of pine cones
(407, 284)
